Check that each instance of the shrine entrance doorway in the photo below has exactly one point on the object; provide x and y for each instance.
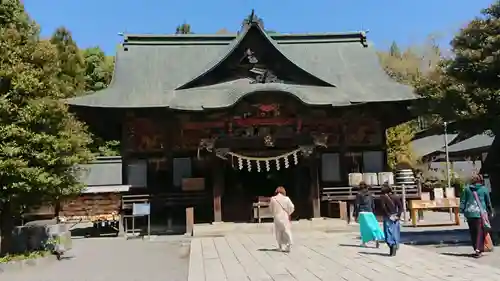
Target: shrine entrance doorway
(243, 188)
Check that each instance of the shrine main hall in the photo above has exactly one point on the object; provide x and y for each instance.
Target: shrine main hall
(218, 121)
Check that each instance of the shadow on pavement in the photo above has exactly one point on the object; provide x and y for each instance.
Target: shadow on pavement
(374, 254)
(435, 237)
(269, 250)
(351, 245)
(368, 246)
(63, 258)
(90, 232)
(458, 255)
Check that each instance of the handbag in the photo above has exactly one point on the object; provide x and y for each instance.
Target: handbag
(484, 215)
(488, 243)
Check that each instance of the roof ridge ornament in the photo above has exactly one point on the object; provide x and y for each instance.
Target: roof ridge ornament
(251, 20)
(252, 17)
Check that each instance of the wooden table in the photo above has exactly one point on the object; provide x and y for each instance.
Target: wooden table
(261, 211)
(444, 203)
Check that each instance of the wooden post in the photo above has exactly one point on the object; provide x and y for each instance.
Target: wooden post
(218, 186)
(189, 221)
(456, 211)
(405, 219)
(121, 228)
(314, 188)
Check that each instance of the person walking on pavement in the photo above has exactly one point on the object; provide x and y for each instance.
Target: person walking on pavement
(475, 204)
(392, 207)
(282, 208)
(363, 212)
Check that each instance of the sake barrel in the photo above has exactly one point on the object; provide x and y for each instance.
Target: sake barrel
(355, 179)
(385, 177)
(405, 176)
(370, 178)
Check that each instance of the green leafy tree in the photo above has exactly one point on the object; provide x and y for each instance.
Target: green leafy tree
(406, 67)
(465, 86)
(71, 76)
(183, 29)
(394, 50)
(98, 69)
(40, 142)
(98, 74)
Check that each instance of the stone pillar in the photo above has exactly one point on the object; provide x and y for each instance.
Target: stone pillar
(314, 187)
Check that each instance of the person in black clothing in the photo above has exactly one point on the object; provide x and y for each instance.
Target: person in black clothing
(363, 212)
(392, 207)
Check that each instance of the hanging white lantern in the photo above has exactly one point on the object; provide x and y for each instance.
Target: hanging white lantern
(277, 163)
(295, 158)
(258, 166)
(286, 162)
(240, 163)
(268, 166)
(249, 165)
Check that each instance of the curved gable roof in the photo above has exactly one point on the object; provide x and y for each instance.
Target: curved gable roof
(151, 70)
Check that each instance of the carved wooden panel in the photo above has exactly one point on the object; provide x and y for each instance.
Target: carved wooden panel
(329, 128)
(363, 132)
(190, 139)
(145, 135)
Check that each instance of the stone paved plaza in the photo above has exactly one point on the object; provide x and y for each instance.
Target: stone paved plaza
(110, 259)
(315, 256)
(321, 256)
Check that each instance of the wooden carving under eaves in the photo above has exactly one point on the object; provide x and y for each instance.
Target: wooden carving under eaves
(144, 136)
(363, 132)
(325, 132)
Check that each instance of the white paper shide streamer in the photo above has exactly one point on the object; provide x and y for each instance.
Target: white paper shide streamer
(240, 163)
(295, 158)
(247, 161)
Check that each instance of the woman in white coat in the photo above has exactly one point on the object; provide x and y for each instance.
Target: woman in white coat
(282, 208)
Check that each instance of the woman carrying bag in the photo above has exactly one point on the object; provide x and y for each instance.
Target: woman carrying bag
(364, 208)
(392, 206)
(475, 204)
(282, 208)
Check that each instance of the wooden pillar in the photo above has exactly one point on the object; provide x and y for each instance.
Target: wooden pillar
(218, 187)
(314, 187)
(189, 221)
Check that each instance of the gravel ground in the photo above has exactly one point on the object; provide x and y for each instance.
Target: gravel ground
(96, 259)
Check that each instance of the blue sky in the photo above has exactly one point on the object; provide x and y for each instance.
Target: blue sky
(98, 22)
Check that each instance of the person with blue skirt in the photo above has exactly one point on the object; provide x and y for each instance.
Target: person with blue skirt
(363, 212)
(392, 207)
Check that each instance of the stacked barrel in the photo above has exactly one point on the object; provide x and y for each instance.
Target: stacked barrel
(405, 176)
(372, 179)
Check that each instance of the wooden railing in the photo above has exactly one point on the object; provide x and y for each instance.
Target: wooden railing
(191, 198)
(347, 193)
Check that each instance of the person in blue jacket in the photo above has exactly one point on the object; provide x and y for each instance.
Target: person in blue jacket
(475, 204)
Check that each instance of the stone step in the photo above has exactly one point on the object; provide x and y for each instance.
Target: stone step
(224, 228)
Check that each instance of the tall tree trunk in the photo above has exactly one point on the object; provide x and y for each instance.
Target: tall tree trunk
(6, 228)
(57, 209)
